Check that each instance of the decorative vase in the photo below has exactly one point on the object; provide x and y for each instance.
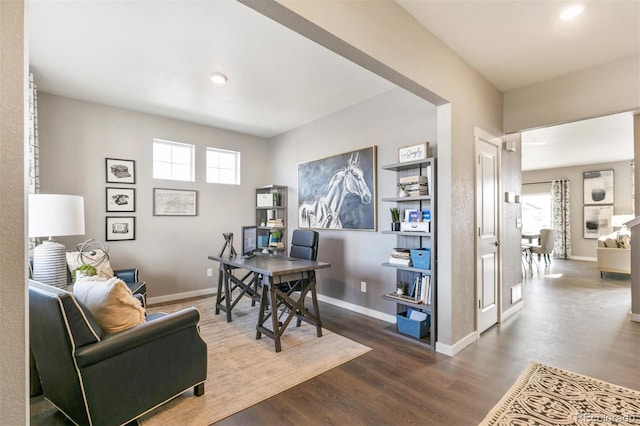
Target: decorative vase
(395, 226)
(400, 292)
(403, 193)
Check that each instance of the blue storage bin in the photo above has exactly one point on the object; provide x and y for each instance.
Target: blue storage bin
(263, 240)
(421, 258)
(417, 329)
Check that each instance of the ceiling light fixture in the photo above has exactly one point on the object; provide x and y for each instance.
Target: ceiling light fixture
(218, 78)
(571, 12)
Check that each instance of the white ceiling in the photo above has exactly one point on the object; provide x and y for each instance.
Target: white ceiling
(156, 56)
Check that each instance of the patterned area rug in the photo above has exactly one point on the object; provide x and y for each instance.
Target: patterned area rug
(545, 395)
(242, 371)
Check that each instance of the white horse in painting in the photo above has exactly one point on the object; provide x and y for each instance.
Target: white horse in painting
(324, 210)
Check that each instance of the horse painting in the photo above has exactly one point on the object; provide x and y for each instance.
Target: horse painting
(345, 186)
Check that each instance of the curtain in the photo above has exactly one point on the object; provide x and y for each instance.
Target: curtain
(561, 217)
(32, 148)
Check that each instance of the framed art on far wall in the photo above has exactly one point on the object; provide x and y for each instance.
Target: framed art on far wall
(597, 221)
(121, 199)
(121, 228)
(598, 187)
(120, 171)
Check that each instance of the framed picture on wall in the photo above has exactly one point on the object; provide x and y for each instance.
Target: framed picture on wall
(338, 192)
(174, 202)
(598, 187)
(121, 199)
(121, 228)
(120, 171)
(597, 221)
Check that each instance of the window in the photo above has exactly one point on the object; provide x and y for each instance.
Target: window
(536, 212)
(173, 160)
(223, 166)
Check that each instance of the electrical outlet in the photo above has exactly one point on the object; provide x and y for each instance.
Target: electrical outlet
(363, 286)
(209, 272)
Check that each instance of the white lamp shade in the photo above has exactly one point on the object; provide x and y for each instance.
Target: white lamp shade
(55, 215)
(620, 219)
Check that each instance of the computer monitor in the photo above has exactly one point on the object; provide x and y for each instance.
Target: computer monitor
(249, 240)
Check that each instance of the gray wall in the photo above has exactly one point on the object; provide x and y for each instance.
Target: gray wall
(511, 234)
(584, 248)
(389, 121)
(409, 55)
(171, 252)
(603, 90)
(13, 353)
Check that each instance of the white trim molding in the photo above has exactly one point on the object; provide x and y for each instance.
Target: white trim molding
(359, 309)
(458, 346)
(512, 311)
(180, 296)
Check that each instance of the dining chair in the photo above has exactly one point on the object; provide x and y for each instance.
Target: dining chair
(547, 238)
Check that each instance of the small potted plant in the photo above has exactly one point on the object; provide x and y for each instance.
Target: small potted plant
(400, 290)
(395, 218)
(83, 271)
(403, 190)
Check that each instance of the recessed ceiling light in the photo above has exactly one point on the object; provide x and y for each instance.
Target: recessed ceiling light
(571, 12)
(218, 78)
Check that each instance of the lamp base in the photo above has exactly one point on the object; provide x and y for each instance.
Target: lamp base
(50, 264)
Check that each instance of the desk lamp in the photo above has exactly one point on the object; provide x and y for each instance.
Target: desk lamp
(53, 215)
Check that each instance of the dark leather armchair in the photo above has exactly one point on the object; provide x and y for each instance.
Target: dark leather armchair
(111, 379)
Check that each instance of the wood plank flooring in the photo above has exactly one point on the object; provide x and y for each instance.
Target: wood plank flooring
(572, 319)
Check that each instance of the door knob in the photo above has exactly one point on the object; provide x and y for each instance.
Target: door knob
(497, 243)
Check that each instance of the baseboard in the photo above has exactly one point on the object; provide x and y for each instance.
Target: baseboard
(634, 317)
(359, 309)
(452, 350)
(512, 311)
(180, 296)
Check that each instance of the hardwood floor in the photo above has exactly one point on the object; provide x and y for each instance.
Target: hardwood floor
(572, 319)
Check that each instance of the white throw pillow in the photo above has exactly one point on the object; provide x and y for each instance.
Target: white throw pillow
(74, 261)
(110, 302)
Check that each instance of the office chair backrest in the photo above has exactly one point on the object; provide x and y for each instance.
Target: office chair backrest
(547, 237)
(304, 244)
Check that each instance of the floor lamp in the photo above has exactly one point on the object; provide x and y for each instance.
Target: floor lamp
(53, 215)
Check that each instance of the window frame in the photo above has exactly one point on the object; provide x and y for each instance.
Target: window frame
(172, 145)
(236, 169)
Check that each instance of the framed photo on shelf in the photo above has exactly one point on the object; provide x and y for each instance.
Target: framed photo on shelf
(597, 221)
(121, 199)
(121, 228)
(120, 171)
(349, 177)
(174, 202)
(413, 152)
(598, 187)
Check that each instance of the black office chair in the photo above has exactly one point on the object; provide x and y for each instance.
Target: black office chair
(304, 245)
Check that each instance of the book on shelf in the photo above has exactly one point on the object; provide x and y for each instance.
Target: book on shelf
(402, 297)
(399, 261)
(276, 244)
(275, 223)
(414, 179)
(418, 192)
(416, 187)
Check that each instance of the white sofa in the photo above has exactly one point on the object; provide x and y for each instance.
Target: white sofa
(614, 253)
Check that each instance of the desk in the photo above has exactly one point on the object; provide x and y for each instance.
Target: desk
(269, 271)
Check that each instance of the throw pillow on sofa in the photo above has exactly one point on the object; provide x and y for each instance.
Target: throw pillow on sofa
(110, 302)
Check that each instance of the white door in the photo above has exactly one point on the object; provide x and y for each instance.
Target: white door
(488, 228)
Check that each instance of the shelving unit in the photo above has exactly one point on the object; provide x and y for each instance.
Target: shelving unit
(414, 240)
(271, 214)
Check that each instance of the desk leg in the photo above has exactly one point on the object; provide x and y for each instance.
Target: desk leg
(261, 311)
(274, 318)
(219, 293)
